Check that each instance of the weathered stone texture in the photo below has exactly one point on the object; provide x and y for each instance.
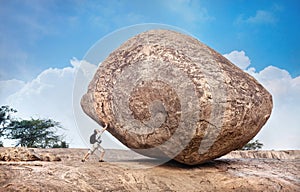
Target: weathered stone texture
(25, 154)
(241, 173)
(166, 94)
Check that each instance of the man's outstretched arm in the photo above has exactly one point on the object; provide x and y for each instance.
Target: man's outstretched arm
(104, 128)
(106, 125)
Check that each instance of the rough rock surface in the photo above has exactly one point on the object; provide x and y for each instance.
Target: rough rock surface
(166, 94)
(225, 174)
(26, 154)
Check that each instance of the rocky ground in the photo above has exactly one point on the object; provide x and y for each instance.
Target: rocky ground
(125, 171)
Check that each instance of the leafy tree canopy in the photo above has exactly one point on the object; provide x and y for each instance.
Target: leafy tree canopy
(5, 119)
(40, 133)
(252, 145)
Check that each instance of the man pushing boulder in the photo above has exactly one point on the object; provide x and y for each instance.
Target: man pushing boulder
(95, 140)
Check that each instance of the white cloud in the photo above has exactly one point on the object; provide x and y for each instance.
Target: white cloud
(282, 131)
(50, 95)
(267, 16)
(238, 58)
(283, 128)
(190, 11)
(262, 17)
(9, 87)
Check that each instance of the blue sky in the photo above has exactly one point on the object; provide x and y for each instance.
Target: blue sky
(43, 43)
(36, 35)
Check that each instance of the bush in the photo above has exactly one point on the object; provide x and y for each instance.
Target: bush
(30, 133)
(38, 133)
(252, 145)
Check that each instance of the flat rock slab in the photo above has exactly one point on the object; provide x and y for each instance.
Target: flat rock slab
(167, 95)
(227, 174)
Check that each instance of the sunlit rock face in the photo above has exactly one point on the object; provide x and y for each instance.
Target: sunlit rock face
(167, 95)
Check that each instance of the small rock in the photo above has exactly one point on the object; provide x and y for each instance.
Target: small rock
(50, 157)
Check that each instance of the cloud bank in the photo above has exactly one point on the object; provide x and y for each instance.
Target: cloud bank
(268, 16)
(50, 95)
(282, 131)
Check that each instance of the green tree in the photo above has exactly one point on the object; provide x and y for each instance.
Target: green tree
(62, 144)
(5, 119)
(252, 145)
(39, 133)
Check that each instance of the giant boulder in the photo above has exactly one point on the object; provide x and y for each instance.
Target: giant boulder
(167, 95)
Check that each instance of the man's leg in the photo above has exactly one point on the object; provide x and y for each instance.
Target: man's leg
(102, 151)
(86, 156)
(90, 152)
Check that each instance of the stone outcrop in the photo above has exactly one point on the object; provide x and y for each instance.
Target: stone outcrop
(26, 154)
(226, 174)
(280, 155)
(167, 95)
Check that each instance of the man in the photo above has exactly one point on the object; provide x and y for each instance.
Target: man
(95, 140)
